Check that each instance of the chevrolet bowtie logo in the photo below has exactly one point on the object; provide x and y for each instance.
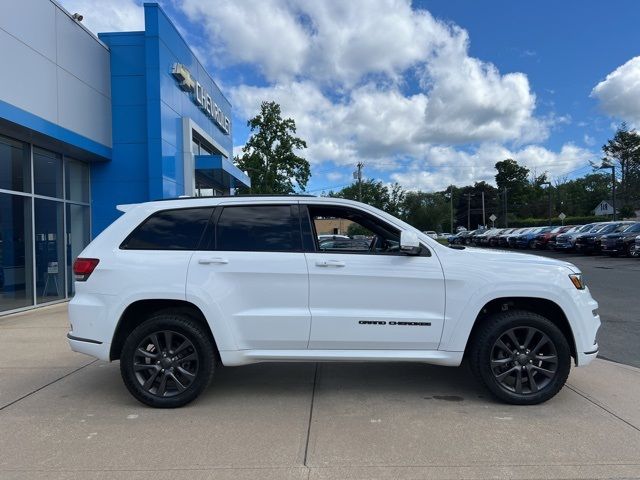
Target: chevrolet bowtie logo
(200, 97)
(183, 76)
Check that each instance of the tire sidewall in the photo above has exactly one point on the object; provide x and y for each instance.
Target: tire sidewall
(201, 343)
(498, 326)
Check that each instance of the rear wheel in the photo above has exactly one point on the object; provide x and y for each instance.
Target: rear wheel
(167, 361)
(521, 357)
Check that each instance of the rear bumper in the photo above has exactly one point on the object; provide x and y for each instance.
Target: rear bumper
(88, 346)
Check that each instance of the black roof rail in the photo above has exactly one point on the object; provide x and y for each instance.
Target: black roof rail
(242, 195)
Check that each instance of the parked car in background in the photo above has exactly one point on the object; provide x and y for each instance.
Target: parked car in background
(635, 251)
(589, 242)
(566, 241)
(551, 243)
(492, 237)
(501, 240)
(332, 237)
(343, 244)
(621, 243)
(444, 235)
(543, 239)
(512, 239)
(431, 233)
(528, 239)
(482, 239)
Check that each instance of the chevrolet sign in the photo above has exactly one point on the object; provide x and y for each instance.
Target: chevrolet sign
(200, 97)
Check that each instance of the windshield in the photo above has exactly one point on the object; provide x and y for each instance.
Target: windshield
(608, 228)
(586, 228)
(633, 228)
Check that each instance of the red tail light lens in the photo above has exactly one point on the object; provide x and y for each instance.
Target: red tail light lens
(83, 267)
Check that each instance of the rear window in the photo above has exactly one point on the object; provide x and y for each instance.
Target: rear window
(179, 229)
(261, 228)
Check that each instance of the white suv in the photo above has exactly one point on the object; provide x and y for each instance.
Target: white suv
(176, 288)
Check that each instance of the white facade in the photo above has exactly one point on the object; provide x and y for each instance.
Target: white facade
(55, 69)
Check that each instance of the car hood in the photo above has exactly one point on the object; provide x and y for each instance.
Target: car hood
(495, 257)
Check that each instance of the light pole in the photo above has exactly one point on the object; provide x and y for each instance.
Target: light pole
(548, 184)
(606, 166)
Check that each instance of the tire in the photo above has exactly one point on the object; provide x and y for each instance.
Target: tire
(540, 377)
(170, 348)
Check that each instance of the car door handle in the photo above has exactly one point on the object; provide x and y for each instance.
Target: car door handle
(209, 260)
(330, 263)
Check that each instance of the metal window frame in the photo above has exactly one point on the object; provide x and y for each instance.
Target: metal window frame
(32, 196)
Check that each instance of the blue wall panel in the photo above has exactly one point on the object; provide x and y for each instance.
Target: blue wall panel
(148, 111)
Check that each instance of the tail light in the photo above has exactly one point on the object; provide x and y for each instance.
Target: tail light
(84, 267)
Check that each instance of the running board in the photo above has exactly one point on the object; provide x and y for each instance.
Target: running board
(435, 357)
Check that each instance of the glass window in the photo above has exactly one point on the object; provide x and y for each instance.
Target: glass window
(77, 181)
(47, 173)
(49, 235)
(16, 264)
(347, 230)
(77, 237)
(265, 228)
(170, 230)
(14, 165)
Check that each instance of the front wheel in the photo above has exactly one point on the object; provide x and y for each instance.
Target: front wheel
(167, 361)
(521, 357)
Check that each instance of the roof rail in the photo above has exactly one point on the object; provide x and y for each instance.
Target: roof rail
(243, 195)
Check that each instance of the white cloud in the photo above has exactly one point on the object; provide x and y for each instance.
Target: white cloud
(362, 54)
(108, 15)
(442, 166)
(619, 92)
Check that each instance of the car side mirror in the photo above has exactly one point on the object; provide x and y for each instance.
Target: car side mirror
(409, 243)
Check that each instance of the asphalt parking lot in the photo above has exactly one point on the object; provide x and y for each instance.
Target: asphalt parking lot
(66, 416)
(615, 284)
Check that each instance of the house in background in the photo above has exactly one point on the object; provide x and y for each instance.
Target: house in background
(604, 208)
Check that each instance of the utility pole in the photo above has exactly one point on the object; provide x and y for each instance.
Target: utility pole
(469, 195)
(484, 221)
(358, 175)
(451, 203)
(506, 221)
(548, 184)
(613, 184)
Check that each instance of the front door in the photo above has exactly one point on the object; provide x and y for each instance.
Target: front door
(372, 298)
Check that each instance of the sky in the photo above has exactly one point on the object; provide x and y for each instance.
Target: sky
(425, 93)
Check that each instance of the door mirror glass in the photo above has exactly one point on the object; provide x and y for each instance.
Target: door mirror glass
(409, 243)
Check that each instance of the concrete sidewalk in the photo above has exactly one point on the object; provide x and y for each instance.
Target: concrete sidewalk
(63, 415)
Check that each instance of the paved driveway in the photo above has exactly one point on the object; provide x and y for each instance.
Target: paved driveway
(65, 416)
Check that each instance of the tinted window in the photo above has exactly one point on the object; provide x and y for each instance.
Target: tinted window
(264, 228)
(170, 230)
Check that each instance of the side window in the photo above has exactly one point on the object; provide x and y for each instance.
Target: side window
(179, 229)
(346, 230)
(259, 228)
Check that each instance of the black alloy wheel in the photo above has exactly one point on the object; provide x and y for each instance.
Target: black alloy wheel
(524, 360)
(521, 357)
(167, 361)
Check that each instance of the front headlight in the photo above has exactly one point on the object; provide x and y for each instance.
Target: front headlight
(576, 279)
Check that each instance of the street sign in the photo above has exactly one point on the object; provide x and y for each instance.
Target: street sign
(562, 216)
(493, 218)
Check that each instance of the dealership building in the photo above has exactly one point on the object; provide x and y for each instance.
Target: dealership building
(88, 123)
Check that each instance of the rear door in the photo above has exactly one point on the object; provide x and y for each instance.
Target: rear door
(253, 277)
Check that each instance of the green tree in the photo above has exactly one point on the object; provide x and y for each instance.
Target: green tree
(427, 211)
(624, 149)
(269, 155)
(376, 194)
(515, 179)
